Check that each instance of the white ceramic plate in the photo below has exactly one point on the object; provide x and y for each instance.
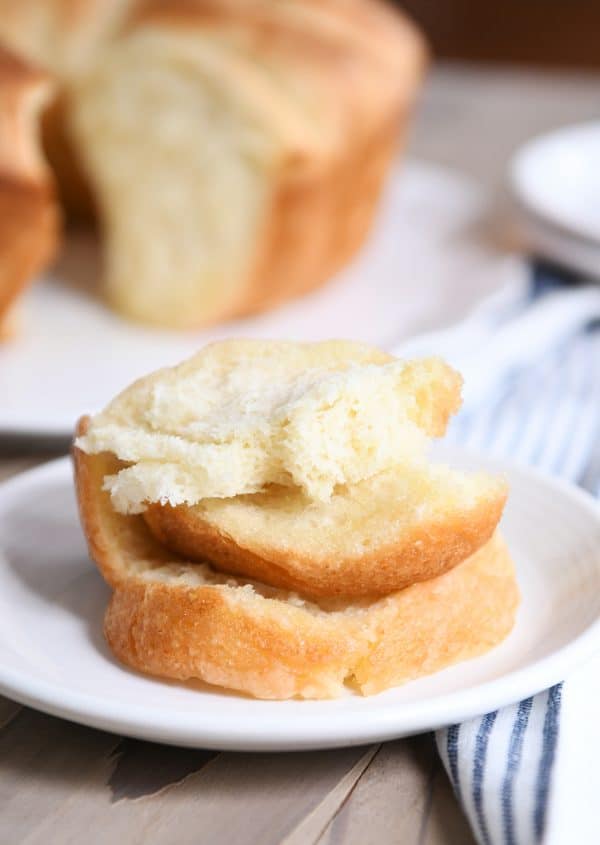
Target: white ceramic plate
(558, 245)
(557, 178)
(53, 656)
(426, 261)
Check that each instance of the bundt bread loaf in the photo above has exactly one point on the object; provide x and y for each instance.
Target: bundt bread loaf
(234, 149)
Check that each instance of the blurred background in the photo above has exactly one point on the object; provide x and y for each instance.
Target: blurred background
(550, 33)
(503, 73)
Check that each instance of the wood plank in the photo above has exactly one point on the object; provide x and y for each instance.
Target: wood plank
(404, 796)
(145, 768)
(312, 826)
(445, 823)
(89, 784)
(389, 802)
(46, 763)
(8, 710)
(250, 798)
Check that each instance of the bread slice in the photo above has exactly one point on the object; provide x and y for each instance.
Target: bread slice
(399, 527)
(175, 619)
(29, 219)
(237, 150)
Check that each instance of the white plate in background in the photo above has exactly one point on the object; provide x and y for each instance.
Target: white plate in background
(426, 262)
(556, 179)
(53, 655)
(554, 243)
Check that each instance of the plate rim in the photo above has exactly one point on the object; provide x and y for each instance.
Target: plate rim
(383, 722)
(519, 162)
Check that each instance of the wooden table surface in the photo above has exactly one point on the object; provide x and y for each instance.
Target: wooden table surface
(63, 783)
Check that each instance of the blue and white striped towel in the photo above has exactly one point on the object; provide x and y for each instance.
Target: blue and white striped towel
(547, 414)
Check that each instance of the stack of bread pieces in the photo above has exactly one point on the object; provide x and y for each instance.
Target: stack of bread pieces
(269, 520)
(232, 151)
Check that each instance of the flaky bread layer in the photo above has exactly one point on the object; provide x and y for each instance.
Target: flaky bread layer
(241, 415)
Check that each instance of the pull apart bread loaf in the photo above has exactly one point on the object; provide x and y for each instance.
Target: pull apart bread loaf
(235, 150)
(28, 213)
(356, 561)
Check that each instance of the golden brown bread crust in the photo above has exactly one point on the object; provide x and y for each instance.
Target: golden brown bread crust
(29, 217)
(267, 644)
(382, 38)
(73, 189)
(112, 540)
(324, 219)
(429, 549)
(177, 633)
(437, 623)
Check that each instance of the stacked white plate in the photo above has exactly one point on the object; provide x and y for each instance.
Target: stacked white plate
(556, 181)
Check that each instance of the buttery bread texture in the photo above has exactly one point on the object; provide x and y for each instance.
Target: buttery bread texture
(394, 529)
(235, 150)
(301, 465)
(176, 619)
(241, 415)
(29, 219)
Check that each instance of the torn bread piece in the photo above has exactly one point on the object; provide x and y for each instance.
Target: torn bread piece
(242, 415)
(181, 620)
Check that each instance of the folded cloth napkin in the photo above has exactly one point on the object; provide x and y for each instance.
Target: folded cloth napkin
(539, 403)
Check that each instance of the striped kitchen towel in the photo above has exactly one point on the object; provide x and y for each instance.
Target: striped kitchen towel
(545, 412)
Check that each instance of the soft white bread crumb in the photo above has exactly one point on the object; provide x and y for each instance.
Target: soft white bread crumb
(242, 415)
